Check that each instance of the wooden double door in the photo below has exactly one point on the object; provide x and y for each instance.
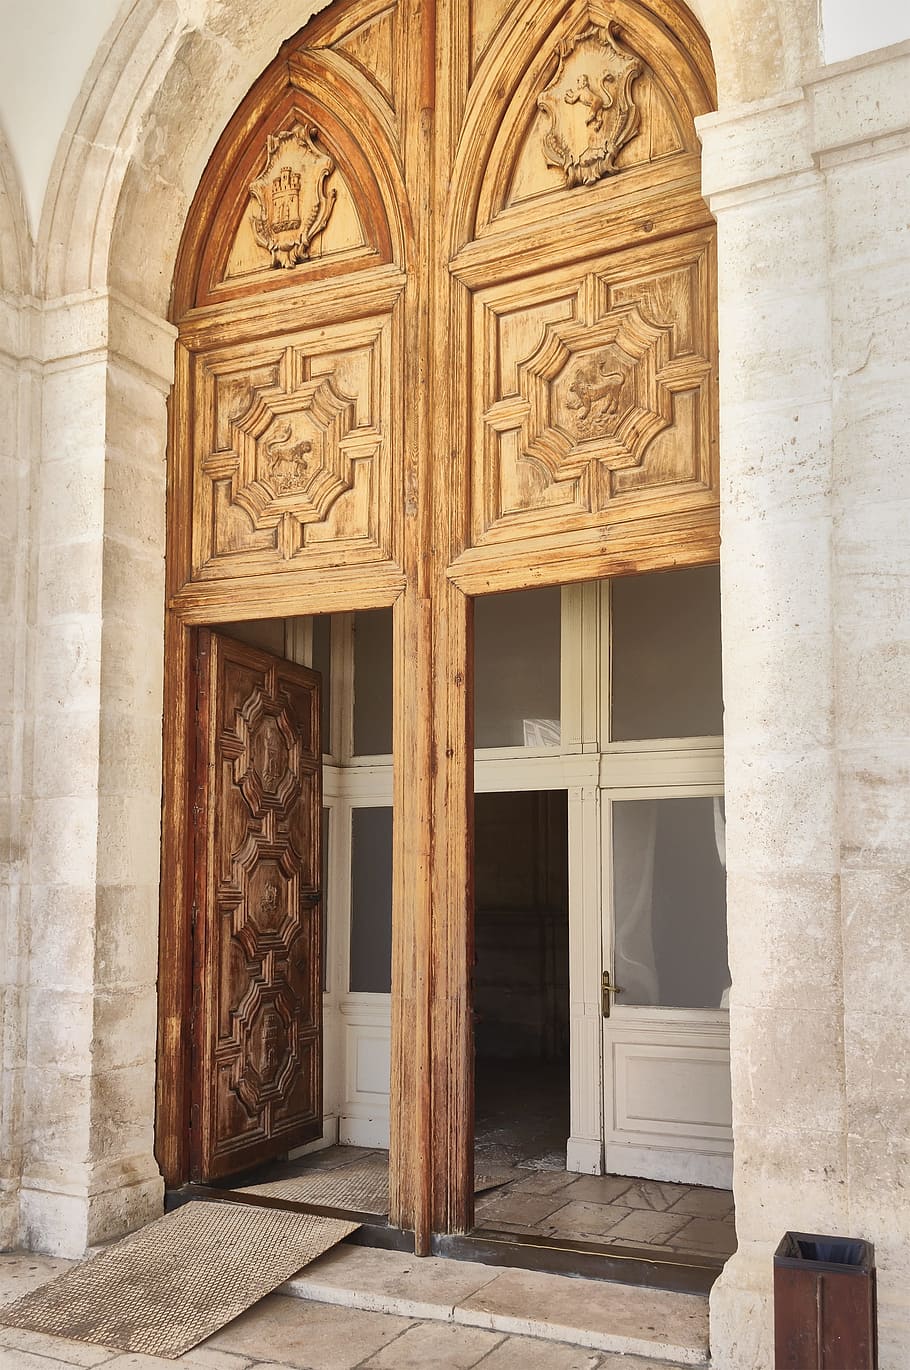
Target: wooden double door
(446, 325)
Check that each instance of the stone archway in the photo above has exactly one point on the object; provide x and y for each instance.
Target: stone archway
(106, 263)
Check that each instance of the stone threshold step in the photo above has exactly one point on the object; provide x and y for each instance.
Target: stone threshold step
(666, 1328)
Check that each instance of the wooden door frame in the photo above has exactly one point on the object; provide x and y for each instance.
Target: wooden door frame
(428, 571)
(425, 1193)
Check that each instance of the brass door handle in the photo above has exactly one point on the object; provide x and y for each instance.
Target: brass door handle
(607, 990)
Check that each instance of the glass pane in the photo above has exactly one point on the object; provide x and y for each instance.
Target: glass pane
(326, 828)
(669, 902)
(516, 669)
(666, 655)
(322, 662)
(371, 901)
(373, 682)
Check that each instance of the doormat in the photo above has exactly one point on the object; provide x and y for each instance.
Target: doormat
(362, 1186)
(170, 1285)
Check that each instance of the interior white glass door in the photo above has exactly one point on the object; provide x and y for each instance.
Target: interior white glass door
(665, 1019)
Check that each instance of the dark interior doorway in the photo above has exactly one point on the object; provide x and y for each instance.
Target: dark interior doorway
(521, 979)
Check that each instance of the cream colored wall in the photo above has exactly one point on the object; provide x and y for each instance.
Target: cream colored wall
(805, 173)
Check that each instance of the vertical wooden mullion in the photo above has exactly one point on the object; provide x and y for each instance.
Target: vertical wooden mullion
(172, 1089)
(411, 1160)
(453, 790)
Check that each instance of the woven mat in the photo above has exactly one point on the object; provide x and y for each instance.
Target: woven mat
(166, 1288)
(362, 1186)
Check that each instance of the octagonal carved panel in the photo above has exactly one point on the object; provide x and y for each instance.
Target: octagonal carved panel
(292, 453)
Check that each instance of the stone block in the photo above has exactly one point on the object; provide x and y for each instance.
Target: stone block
(876, 916)
(787, 1072)
(875, 805)
(130, 747)
(125, 1027)
(129, 838)
(776, 462)
(126, 931)
(867, 221)
(877, 1061)
(123, 1118)
(71, 499)
(776, 580)
(62, 937)
(774, 347)
(69, 582)
(784, 940)
(68, 667)
(64, 841)
(65, 755)
(788, 1180)
(781, 811)
(72, 416)
(60, 1030)
(756, 143)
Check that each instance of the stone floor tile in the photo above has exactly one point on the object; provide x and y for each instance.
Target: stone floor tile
(21, 1273)
(644, 1225)
(372, 1279)
(16, 1359)
(310, 1336)
(529, 1353)
(134, 1360)
(59, 1348)
(653, 1194)
(705, 1234)
(592, 1313)
(545, 1182)
(524, 1209)
(600, 1189)
(636, 1363)
(435, 1343)
(589, 1220)
(207, 1358)
(705, 1203)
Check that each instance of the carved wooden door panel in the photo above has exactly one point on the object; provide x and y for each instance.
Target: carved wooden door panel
(257, 1078)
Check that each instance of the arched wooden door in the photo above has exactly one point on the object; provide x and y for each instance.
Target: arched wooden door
(446, 315)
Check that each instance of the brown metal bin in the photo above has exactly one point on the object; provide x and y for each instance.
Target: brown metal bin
(824, 1303)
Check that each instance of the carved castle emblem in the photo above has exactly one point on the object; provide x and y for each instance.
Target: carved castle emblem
(292, 203)
(588, 105)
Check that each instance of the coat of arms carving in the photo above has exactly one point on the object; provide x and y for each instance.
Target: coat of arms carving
(588, 105)
(292, 203)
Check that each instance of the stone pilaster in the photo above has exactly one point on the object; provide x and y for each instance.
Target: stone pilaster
(814, 559)
(88, 1167)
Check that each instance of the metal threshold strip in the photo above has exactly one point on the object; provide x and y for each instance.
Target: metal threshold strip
(685, 1273)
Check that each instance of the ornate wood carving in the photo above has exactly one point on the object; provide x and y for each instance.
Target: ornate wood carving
(589, 105)
(258, 1081)
(292, 201)
(601, 395)
(292, 457)
(483, 376)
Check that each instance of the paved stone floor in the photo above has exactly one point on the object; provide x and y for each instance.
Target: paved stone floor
(283, 1333)
(551, 1202)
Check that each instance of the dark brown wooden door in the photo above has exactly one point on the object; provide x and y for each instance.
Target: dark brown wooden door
(257, 994)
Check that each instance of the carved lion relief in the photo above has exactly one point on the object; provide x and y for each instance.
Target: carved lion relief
(589, 105)
(292, 202)
(291, 455)
(601, 393)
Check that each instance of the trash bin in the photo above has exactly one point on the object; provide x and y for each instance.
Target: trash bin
(824, 1303)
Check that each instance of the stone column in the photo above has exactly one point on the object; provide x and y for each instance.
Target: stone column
(18, 390)
(815, 549)
(88, 1166)
(861, 119)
